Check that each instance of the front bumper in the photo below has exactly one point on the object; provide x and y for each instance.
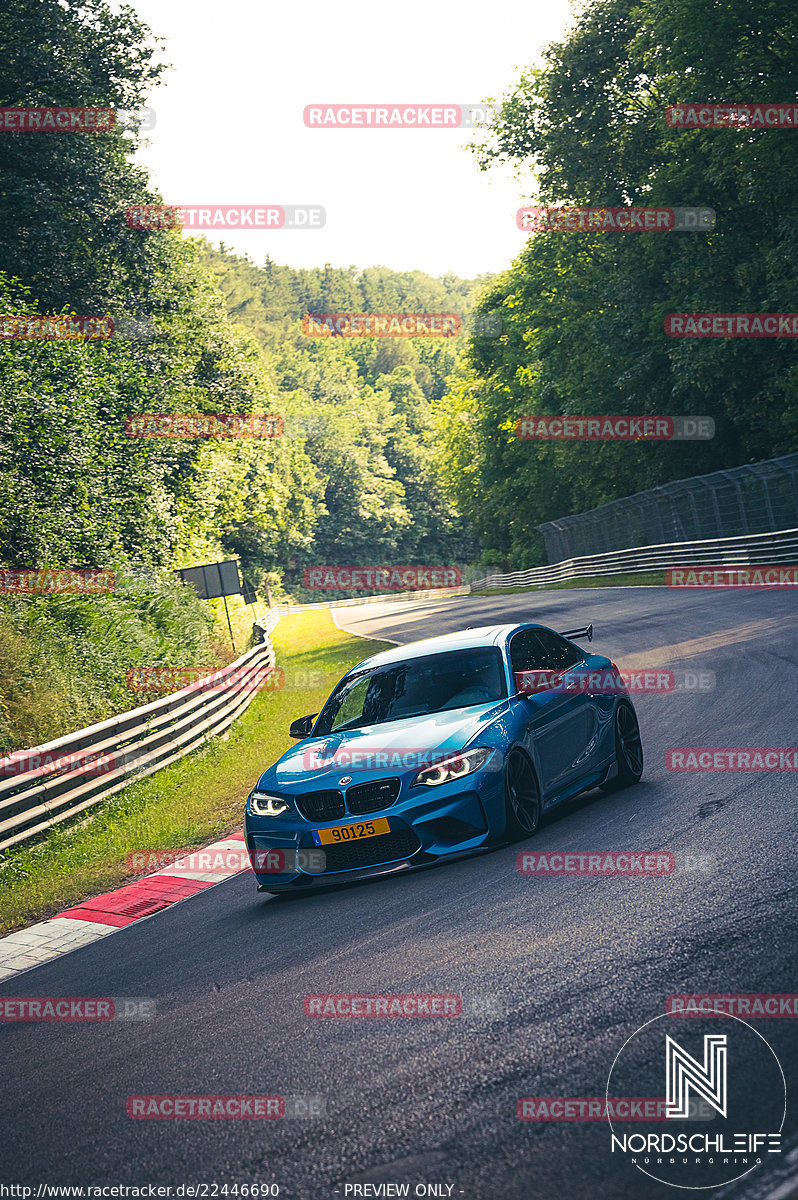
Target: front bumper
(449, 821)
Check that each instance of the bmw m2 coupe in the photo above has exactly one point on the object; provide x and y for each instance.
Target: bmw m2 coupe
(439, 748)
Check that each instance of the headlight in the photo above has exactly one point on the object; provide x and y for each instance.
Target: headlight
(455, 767)
(265, 805)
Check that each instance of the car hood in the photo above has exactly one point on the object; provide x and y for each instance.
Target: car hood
(321, 762)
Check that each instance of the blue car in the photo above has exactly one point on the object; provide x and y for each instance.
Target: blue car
(440, 748)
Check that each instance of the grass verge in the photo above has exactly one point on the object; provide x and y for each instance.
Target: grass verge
(646, 578)
(190, 803)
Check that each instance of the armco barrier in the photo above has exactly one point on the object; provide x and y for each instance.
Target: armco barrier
(780, 547)
(422, 594)
(125, 748)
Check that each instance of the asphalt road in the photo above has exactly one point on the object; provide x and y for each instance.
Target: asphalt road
(569, 966)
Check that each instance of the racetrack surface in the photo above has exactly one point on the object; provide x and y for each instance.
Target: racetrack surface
(570, 965)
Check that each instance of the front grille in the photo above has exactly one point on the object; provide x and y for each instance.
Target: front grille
(321, 806)
(372, 796)
(371, 852)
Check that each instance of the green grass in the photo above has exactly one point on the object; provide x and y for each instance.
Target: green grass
(644, 578)
(64, 659)
(193, 802)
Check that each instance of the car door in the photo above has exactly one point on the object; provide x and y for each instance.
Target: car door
(561, 723)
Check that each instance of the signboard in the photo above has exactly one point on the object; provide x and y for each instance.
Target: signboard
(213, 579)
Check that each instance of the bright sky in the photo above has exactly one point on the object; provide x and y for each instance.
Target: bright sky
(229, 126)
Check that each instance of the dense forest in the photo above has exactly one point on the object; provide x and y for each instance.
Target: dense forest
(363, 410)
(395, 450)
(198, 331)
(583, 313)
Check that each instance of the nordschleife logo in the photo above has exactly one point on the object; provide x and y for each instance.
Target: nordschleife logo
(684, 1074)
(725, 1100)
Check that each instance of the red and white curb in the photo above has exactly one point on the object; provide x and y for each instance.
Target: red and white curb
(96, 918)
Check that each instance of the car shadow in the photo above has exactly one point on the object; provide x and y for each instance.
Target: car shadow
(563, 811)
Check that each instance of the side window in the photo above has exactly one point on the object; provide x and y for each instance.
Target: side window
(526, 651)
(559, 653)
(351, 704)
(541, 650)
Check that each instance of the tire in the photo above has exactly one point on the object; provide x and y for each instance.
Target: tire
(628, 749)
(522, 797)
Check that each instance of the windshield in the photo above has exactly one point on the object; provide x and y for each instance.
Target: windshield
(435, 683)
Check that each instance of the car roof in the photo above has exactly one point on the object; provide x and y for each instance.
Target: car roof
(461, 639)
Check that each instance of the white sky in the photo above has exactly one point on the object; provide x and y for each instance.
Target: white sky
(229, 129)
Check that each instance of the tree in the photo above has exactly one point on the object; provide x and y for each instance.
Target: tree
(584, 313)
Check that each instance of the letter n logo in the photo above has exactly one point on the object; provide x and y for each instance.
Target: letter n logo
(683, 1072)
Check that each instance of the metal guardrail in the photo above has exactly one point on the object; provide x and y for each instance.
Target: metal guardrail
(44, 785)
(47, 784)
(422, 594)
(779, 547)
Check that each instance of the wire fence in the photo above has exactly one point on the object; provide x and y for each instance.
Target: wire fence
(758, 498)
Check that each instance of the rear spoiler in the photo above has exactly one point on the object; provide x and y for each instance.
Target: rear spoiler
(585, 632)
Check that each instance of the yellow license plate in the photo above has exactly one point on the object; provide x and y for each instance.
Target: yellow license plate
(351, 833)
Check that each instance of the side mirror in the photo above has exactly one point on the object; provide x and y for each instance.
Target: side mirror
(301, 727)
